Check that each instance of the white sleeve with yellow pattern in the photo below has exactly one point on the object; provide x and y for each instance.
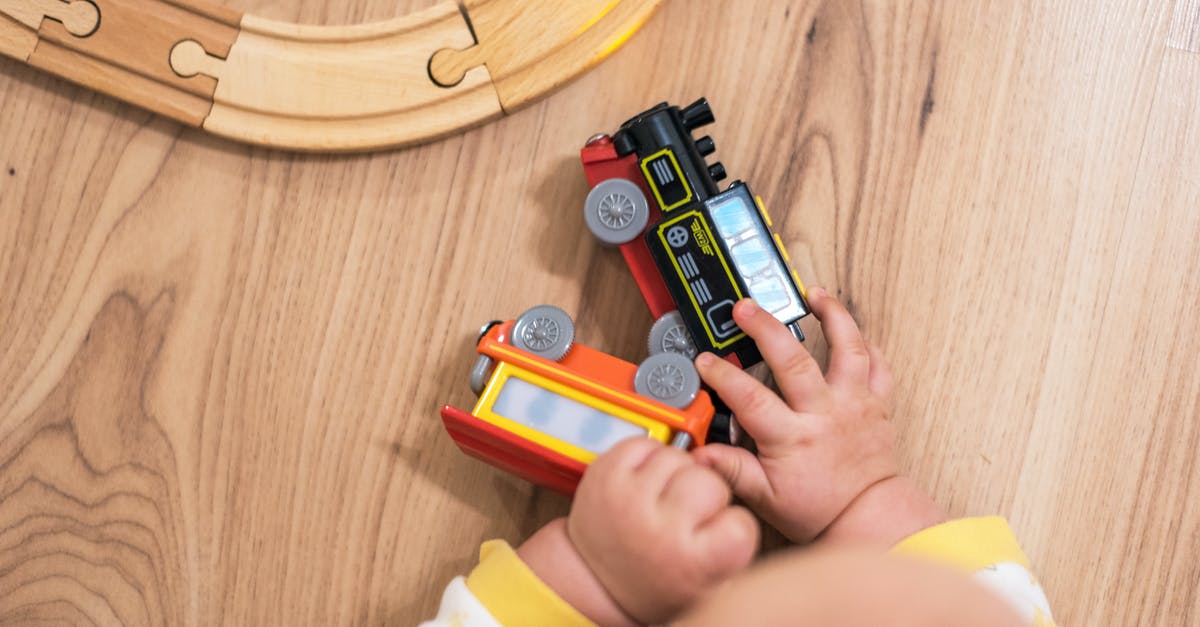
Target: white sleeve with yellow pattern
(502, 590)
(987, 548)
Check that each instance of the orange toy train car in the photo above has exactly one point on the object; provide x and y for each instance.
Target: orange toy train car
(547, 407)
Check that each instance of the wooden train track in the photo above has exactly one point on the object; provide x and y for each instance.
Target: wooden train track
(320, 88)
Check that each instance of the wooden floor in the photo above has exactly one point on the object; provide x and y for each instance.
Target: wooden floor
(220, 367)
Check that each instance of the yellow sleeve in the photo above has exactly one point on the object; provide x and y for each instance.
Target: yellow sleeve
(986, 548)
(967, 543)
(514, 595)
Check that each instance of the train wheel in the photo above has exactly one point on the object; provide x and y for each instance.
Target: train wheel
(480, 373)
(668, 378)
(616, 211)
(545, 331)
(670, 335)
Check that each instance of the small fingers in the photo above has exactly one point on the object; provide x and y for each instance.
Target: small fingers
(849, 359)
(608, 478)
(880, 381)
(740, 469)
(796, 372)
(624, 456)
(759, 410)
(697, 492)
(730, 540)
(657, 468)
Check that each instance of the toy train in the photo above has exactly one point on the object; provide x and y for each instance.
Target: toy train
(693, 249)
(546, 406)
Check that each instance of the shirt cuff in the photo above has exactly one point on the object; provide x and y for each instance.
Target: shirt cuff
(514, 595)
(460, 608)
(968, 544)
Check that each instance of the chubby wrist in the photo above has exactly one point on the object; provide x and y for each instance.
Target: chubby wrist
(883, 515)
(552, 556)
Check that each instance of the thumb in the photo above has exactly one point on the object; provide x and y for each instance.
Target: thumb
(740, 469)
(731, 538)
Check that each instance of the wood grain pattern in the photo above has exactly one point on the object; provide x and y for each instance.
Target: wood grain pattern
(137, 39)
(16, 40)
(220, 366)
(78, 17)
(1185, 26)
(522, 45)
(336, 88)
(323, 88)
(130, 56)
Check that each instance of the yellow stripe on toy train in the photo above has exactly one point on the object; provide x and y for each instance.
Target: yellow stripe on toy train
(559, 417)
(762, 208)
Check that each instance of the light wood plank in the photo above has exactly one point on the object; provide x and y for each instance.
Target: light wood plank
(16, 40)
(220, 366)
(1185, 26)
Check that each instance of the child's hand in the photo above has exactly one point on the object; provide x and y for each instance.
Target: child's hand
(826, 462)
(657, 529)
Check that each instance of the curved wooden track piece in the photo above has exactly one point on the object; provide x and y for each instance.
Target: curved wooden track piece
(326, 88)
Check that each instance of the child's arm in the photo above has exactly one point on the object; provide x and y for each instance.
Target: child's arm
(649, 532)
(827, 470)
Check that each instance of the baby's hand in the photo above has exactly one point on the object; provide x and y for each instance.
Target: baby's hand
(826, 461)
(657, 529)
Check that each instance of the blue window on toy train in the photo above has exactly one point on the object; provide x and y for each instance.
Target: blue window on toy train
(750, 245)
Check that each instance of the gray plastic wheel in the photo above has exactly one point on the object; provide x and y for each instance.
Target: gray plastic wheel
(545, 331)
(668, 378)
(480, 373)
(670, 335)
(616, 211)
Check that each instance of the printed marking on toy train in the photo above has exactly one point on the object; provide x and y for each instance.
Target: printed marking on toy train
(665, 178)
(700, 289)
(664, 172)
(703, 238)
(720, 316)
(690, 245)
(688, 264)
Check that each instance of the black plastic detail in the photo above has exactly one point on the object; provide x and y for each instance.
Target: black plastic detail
(698, 114)
(663, 127)
(624, 144)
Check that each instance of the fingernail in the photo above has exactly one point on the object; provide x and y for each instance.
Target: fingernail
(749, 307)
(704, 360)
(819, 292)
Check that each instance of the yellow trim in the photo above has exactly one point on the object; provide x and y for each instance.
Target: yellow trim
(514, 595)
(967, 543)
(782, 249)
(517, 358)
(763, 210)
(504, 371)
(803, 290)
(678, 270)
(678, 172)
